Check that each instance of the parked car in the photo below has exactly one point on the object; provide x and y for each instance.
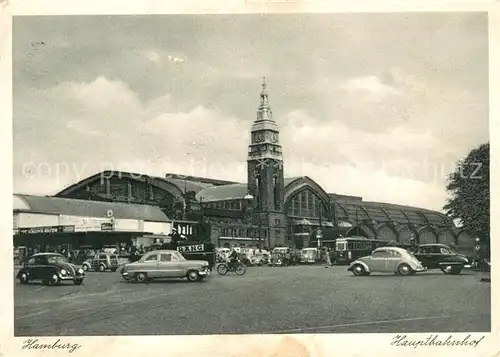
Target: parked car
(387, 260)
(260, 258)
(165, 264)
(50, 269)
(440, 256)
(309, 255)
(101, 262)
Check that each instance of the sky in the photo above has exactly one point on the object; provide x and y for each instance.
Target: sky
(380, 106)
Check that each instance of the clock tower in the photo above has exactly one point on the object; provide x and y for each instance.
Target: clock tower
(265, 171)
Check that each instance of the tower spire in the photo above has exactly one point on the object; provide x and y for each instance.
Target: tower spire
(263, 94)
(264, 112)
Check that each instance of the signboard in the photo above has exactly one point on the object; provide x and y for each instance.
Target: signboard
(319, 234)
(190, 248)
(184, 228)
(84, 224)
(106, 226)
(47, 230)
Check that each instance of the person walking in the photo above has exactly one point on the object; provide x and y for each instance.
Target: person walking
(327, 258)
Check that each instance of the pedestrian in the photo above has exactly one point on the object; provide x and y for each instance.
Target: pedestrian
(327, 258)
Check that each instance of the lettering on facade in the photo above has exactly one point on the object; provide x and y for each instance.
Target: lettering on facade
(106, 226)
(190, 248)
(47, 230)
(184, 228)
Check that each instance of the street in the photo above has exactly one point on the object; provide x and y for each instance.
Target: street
(308, 299)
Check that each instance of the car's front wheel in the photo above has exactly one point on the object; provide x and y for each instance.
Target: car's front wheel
(55, 280)
(405, 270)
(23, 279)
(141, 277)
(85, 267)
(78, 281)
(449, 269)
(358, 270)
(193, 275)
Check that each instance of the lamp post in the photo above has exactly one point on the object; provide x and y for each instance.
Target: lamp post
(202, 226)
(319, 233)
(357, 224)
(412, 242)
(478, 253)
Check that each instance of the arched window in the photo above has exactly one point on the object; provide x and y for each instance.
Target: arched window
(307, 204)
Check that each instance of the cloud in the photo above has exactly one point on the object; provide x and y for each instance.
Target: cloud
(153, 137)
(352, 143)
(370, 88)
(83, 128)
(161, 58)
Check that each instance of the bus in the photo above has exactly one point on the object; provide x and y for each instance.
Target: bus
(352, 248)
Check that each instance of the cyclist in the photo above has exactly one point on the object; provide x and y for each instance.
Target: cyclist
(233, 259)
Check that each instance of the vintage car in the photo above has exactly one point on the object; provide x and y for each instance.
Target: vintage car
(281, 256)
(259, 258)
(101, 262)
(309, 255)
(161, 264)
(440, 256)
(387, 260)
(50, 269)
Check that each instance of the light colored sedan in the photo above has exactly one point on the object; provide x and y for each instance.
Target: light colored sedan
(387, 260)
(161, 264)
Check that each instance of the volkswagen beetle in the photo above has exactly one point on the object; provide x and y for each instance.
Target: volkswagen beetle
(387, 260)
(50, 269)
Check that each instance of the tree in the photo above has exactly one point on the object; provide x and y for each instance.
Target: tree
(469, 188)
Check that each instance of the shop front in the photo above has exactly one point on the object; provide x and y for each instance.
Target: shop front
(70, 242)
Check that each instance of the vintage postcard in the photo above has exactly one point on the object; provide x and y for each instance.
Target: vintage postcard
(248, 178)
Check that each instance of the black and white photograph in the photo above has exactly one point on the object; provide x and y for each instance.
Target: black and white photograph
(257, 173)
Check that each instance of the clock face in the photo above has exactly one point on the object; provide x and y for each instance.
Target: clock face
(274, 137)
(259, 137)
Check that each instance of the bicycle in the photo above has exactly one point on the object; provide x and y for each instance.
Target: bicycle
(239, 268)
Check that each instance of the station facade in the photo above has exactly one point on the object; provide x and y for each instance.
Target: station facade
(55, 224)
(268, 210)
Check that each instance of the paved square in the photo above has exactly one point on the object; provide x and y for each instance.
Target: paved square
(309, 299)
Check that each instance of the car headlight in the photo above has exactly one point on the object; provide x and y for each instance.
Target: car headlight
(80, 271)
(63, 272)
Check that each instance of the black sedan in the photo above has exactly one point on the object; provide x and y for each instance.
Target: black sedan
(440, 256)
(50, 269)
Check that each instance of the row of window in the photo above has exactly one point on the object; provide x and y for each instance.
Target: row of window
(126, 189)
(247, 232)
(229, 205)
